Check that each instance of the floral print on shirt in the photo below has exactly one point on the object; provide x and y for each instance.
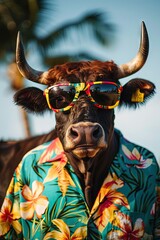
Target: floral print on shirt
(45, 199)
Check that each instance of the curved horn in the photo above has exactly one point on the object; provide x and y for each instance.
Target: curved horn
(139, 60)
(23, 66)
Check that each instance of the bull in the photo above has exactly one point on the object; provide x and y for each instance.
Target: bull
(89, 182)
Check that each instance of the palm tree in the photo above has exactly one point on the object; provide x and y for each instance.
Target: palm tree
(30, 16)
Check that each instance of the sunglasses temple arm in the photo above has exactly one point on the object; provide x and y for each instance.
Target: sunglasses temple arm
(47, 98)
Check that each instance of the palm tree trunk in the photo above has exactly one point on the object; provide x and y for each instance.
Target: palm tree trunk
(26, 124)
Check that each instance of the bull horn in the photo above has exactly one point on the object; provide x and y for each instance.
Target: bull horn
(24, 68)
(139, 60)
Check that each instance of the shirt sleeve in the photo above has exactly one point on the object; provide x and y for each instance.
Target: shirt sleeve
(10, 220)
(157, 207)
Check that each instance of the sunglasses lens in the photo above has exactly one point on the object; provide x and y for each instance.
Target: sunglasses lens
(61, 96)
(104, 94)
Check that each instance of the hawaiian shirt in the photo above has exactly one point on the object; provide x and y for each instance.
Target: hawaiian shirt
(45, 199)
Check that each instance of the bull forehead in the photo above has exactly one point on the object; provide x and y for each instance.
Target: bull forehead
(84, 71)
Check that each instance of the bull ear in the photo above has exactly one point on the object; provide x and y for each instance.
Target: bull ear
(136, 92)
(31, 99)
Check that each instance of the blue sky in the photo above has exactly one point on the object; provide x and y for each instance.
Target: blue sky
(141, 126)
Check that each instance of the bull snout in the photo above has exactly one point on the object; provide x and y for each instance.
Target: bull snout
(85, 133)
(85, 139)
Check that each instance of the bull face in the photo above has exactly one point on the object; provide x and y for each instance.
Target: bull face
(85, 129)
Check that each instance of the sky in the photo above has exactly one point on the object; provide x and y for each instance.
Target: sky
(142, 125)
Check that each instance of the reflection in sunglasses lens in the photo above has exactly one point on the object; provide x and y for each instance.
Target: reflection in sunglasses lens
(104, 94)
(61, 96)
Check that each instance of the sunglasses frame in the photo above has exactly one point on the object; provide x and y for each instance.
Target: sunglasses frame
(86, 88)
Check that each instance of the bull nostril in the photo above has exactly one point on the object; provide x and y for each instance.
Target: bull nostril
(73, 132)
(97, 132)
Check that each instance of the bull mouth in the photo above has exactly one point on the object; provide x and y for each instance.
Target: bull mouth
(85, 146)
(85, 151)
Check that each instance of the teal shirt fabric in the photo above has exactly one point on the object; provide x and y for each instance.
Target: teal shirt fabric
(45, 199)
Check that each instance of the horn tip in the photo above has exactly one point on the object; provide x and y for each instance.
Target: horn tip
(19, 36)
(143, 26)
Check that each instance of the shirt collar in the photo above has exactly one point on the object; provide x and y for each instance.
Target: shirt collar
(53, 152)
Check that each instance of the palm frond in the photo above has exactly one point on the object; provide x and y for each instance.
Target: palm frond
(47, 9)
(21, 15)
(94, 23)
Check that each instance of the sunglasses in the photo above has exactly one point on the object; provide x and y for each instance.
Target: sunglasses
(102, 94)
